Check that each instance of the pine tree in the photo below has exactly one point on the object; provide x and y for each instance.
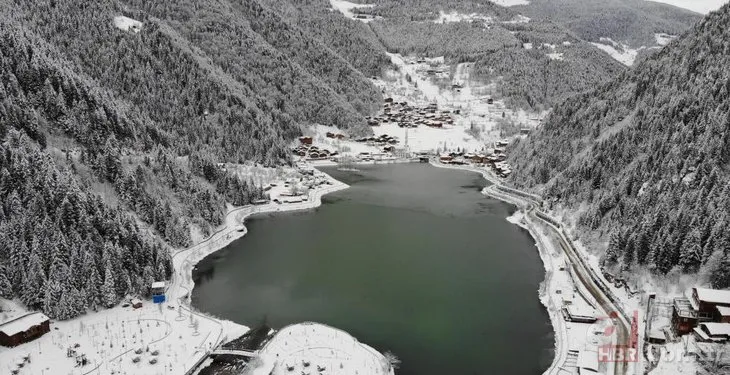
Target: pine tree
(108, 291)
(6, 289)
(34, 284)
(94, 297)
(58, 280)
(690, 255)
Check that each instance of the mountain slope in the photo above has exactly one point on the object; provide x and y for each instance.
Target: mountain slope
(111, 138)
(535, 63)
(634, 22)
(643, 160)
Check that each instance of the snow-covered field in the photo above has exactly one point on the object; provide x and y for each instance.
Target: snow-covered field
(663, 39)
(346, 8)
(127, 24)
(620, 52)
(458, 17)
(311, 348)
(111, 338)
(555, 55)
(510, 3)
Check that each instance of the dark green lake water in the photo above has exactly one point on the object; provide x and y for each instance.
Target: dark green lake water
(411, 258)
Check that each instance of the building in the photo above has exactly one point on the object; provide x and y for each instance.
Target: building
(657, 336)
(685, 318)
(157, 290)
(723, 314)
(24, 329)
(305, 140)
(712, 332)
(575, 314)
(707, 300)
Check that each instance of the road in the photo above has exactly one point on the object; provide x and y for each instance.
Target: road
(602, 294)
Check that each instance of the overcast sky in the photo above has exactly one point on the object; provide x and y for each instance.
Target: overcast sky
(700, 6)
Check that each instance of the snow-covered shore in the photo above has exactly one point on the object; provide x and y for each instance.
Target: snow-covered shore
(122, 339)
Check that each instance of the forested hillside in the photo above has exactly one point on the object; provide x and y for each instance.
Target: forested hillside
(634, 22)
(643, 160)
(536, 63)
(111, 138)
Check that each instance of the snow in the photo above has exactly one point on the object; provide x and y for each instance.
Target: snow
(475, 128)
(22, 323)
(588, 359)
(109, 338)
(458, 17)
(308, 347)
(510, 3)
(518, 19)
(713, 295)
(663, 39)
(527, 45)
(346, 7)
(699, 6)
(555, 56)
(723, 311)
(717, 329)
(127, 24)
(620, 52)
(674, 360)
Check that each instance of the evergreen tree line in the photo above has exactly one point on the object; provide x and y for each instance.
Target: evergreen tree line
(63, 250)
(643, 160)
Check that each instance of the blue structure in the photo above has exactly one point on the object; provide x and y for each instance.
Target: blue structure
(158, 291)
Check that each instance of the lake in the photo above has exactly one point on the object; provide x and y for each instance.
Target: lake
(411, 259)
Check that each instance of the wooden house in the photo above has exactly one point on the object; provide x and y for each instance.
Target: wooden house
(24, 329)
(305, 140)
(685, 317)
(712, 332)
(707, 300)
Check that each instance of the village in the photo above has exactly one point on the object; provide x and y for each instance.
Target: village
(336, 148)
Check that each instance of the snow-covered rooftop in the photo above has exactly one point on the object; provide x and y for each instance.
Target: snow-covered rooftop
(717, 329)
(581, 311)
(22, 323)
(158, 284)
(713, 295)
(724, 311)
